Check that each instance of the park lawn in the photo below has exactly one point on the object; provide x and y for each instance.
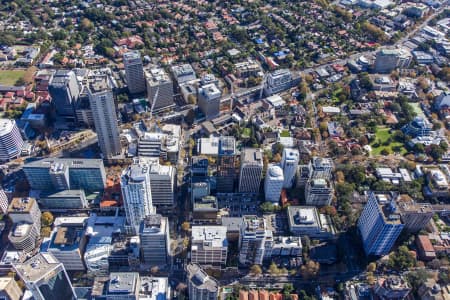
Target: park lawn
(9, 77)
(285, 133)
(381, 136)
(246, 132)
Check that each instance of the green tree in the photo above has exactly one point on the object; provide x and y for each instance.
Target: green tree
(47, 218)
(402, 259)
(256, 270)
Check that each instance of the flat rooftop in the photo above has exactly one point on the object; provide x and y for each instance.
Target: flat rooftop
(254, 223)
(37, 266)
(21, 205)
(200, 279)
(6, 125)
(123, 282)
(71, 162)
(67, 238)
(215, 236)
(252, 156)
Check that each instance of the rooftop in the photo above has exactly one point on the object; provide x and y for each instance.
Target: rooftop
(123, 282)
(213, 236)
(303, 215)
(253, 223)
(6, 125)
(37, 267)
(21, 205)
(275, 171)
(131, 55)
(251, 156)
(99, 84)
(388, 207)
(200, 279)
(71, 162)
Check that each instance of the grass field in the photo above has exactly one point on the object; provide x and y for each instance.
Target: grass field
(285, 133)
(381, 137)
(246, 132)
(9, 77)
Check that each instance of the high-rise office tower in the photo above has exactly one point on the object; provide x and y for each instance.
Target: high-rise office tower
(65, 92)
(318, 192)
(209, 100)
(226, 165)
(251, 170)
(273, 183)
(159, 80)
(11, 141)
(134, 71)
(50, 174)
(3, 202)
(379, 224)
(200, 285)
(45, 277)
(154, 237)
(255, 240)
(137, 194)
(103, 109)
(289, 164)
(9, 289)
(26, 218)
(162, 182)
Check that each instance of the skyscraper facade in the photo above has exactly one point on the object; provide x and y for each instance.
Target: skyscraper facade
(251, 170)
(11, 141)
(45, 277)
(226, 169)
(134, 72)
(103, 109)
(379, 224)
(65, 92)
(273, 183)
(154, 237)
(137, 194)
(289, 164)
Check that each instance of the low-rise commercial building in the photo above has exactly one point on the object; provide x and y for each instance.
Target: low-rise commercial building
(209, 245)
(306, 220)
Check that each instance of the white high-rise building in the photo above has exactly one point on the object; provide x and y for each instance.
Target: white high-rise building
(137, 194)
(26, 218)
(251, 170)
(255, 241)
(103, 109)
(289, 163)
(273, 184)
(379, 224)
(209, 245)
(11, 141)
(159, 80)
(154, 238)
(134, 71)
(3, 202)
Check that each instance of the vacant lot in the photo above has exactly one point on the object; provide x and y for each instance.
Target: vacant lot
(9, 77)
